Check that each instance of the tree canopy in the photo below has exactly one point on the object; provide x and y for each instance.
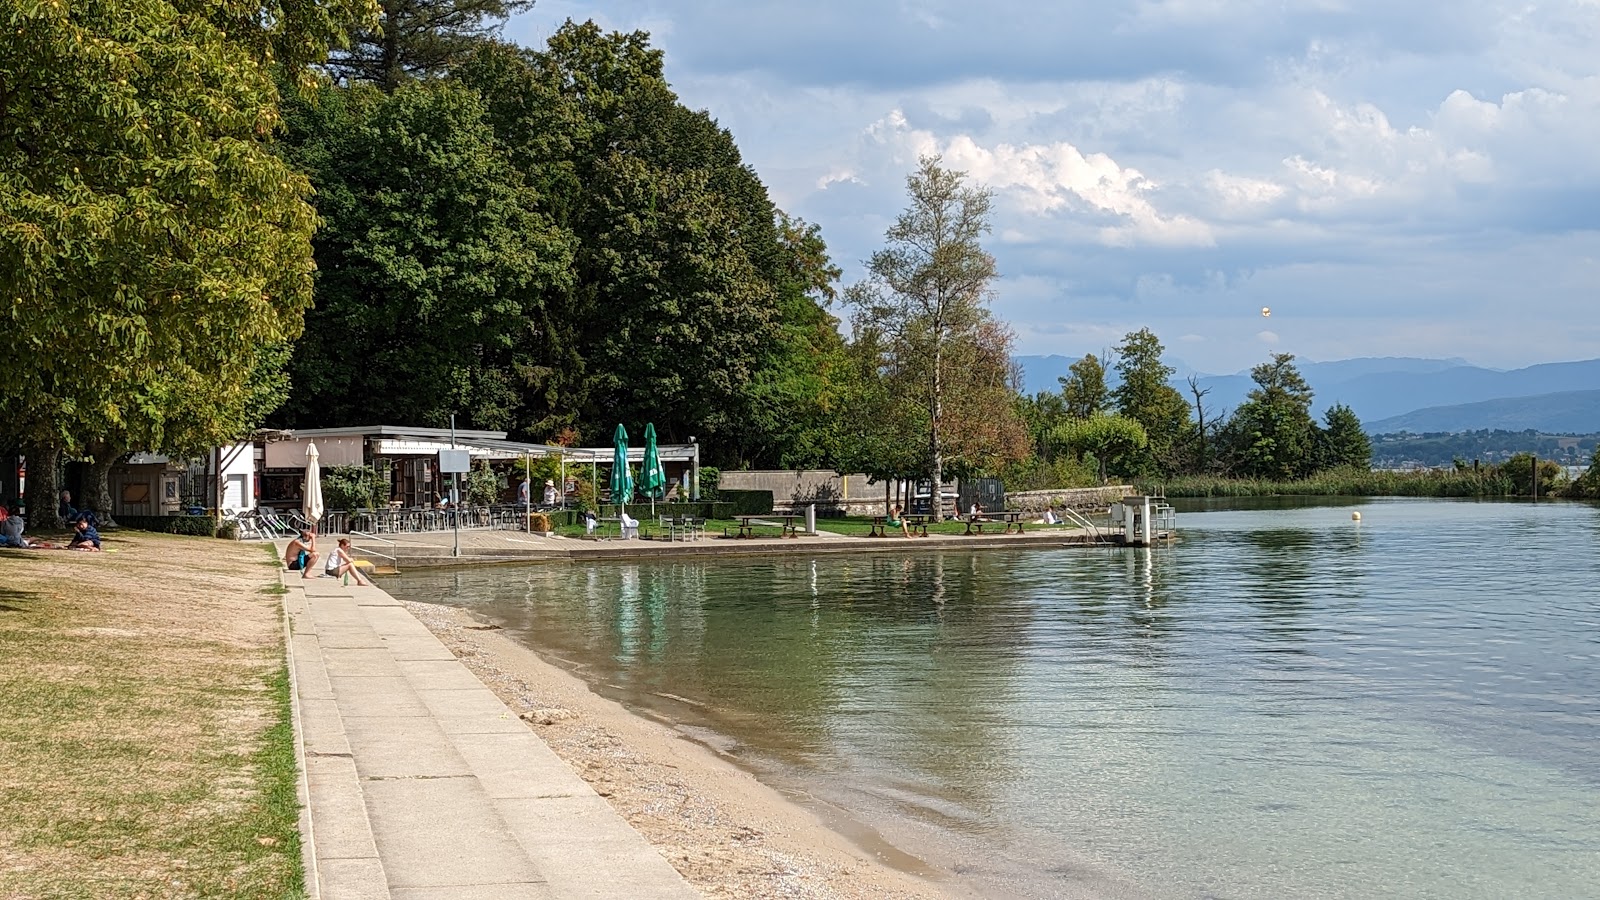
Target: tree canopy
(158, 253)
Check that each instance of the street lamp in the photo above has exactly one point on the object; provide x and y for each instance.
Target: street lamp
(694, 471)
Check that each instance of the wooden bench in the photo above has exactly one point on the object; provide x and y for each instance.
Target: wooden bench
(880, 525)
(748, 524)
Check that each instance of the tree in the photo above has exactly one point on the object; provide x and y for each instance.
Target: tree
(1272, 432)
(1113, 441)
(434, 262)
(1342, 440)
(1203, 430)
(1144, 395)
(1587, 485)
(155, 248)
(421, 39)
(1085, 388)
(930, 286)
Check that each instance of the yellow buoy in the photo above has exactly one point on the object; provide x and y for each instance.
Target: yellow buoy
(1355, 517)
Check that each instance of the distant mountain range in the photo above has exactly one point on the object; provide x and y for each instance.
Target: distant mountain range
(1566, 412)
(1386, 392)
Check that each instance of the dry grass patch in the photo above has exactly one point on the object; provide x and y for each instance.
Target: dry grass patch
(146, 743)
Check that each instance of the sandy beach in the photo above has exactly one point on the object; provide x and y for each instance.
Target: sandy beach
(727, 833)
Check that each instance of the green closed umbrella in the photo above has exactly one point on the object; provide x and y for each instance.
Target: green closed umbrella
(621, 478)
(655, 480)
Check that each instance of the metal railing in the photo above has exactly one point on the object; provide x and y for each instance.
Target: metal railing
(1082, 521)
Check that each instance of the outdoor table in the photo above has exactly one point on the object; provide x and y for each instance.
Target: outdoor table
(748, 524)
(1007, 518)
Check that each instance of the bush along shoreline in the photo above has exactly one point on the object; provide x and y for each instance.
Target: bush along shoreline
(1510, 479)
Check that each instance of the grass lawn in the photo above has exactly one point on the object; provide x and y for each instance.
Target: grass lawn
(145, 745)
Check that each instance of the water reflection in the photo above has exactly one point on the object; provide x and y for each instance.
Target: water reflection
(1285, 703)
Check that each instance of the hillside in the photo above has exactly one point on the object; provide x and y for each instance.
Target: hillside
(1566, 412)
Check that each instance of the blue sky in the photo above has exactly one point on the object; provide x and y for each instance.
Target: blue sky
(1411, 178)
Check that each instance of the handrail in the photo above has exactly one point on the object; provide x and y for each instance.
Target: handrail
(1083, 522)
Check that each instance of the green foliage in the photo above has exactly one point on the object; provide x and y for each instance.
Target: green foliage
(934, 385)
(1144, 396)
(1587, 485)
(421, 39)
(433, 261)
(1518, 472)
(1487, 482)
(1272, 434)
(1342, 442)
(197, 526)
(152, 243)
(1084, 391)
(710, 478)
(354, 487)
(483, 486)
(1115, 442)
(746, 503)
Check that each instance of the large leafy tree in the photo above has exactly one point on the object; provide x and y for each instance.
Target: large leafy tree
(421, 39)
(1272, 434)
(1145, 395)
(1113, 442)
(1084, 388)
(434, 262)
(155, 248)
(929, 289)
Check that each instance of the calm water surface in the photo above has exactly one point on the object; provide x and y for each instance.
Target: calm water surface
(1283, 704)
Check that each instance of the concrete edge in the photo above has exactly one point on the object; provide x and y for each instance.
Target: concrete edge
(308, 843)
(356, 876)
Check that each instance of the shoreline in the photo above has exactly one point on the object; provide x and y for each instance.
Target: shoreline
(729, 834)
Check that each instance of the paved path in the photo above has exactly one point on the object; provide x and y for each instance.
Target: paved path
(422, 785)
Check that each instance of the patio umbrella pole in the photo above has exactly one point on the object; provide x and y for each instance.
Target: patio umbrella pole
(527, 479)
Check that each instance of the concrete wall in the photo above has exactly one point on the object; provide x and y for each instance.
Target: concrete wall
(789, 488)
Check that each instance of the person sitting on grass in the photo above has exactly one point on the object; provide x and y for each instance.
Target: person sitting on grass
(1050, 517)
(84, 536)
(301, 554)
(11, 530)
(896, 520)
(340, 562)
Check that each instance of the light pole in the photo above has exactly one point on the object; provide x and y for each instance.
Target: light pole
(694, 471)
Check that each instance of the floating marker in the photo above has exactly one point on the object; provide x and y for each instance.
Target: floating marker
(1355, 517)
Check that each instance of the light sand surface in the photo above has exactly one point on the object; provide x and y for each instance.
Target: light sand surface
(729, 834)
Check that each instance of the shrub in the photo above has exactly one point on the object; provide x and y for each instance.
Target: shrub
(353, 487)
(745, 503)
(198, 526)
(539, 522)
(710, 477)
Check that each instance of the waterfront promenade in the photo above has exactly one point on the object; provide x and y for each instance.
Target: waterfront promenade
(420, 784)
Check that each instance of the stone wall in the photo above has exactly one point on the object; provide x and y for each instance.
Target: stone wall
(1096, 499)
(793, 489)
(837, 494)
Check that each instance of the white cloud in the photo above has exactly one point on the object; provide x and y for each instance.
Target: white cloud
(1267, 337)
(1370, 170)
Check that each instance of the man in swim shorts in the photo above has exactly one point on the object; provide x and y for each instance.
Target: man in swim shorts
(301, 554)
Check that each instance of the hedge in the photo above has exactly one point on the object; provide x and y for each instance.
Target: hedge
(747, 503)
(202, 526)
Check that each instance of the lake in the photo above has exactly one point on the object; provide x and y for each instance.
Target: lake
(1283, 703)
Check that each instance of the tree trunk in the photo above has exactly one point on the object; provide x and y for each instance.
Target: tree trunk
(43, 492)
(97, 493)
(936, 455)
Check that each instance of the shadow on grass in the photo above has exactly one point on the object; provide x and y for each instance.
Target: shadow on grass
(10, 596)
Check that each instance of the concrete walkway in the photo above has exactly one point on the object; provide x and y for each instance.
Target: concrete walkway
(420, 784)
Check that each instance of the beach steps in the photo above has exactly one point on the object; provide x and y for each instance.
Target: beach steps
(420, 784)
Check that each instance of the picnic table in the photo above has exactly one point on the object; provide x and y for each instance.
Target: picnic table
(748, 524)
(1007, 518)
(880, 525)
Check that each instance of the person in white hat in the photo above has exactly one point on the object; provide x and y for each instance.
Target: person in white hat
(549, 492)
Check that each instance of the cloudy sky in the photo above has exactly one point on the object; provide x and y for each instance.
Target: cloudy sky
(1391, 177)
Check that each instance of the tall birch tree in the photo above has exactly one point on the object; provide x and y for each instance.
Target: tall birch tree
(930, 287)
